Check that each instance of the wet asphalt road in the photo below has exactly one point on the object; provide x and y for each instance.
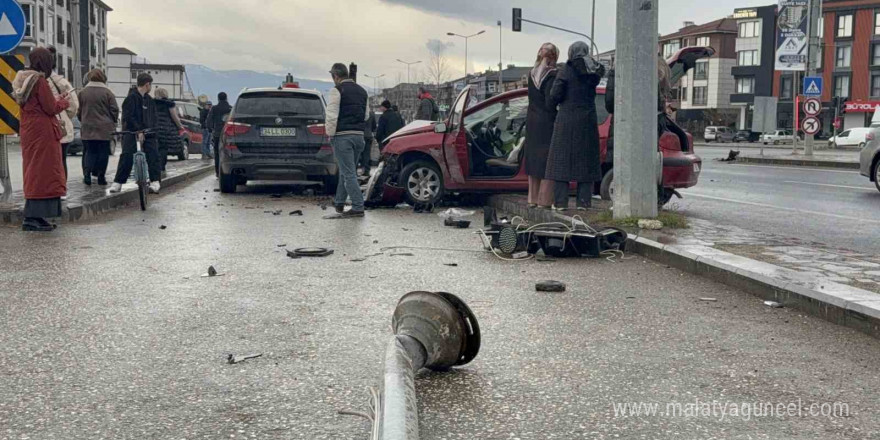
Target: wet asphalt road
(109, 332)
(835, 207)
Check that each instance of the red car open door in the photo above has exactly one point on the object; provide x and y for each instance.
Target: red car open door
(455, 142)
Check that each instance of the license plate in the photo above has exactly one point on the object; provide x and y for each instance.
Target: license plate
(696, 168)
(278, 132)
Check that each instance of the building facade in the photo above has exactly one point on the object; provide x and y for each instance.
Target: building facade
(703, 95)
(60, 23)
(753, 74)
(124, 66)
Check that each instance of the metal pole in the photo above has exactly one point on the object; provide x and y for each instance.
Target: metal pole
(404, 356)
(5, 179)
(812, 54)
(794, 115)
(465, 55)
(635, 120)
(593, 22)
(500, 58)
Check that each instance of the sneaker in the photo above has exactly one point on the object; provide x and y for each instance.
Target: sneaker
(64, 198)
(87, 179)
(116, 187)
(353, 214)
(154, 187)
(340, 209)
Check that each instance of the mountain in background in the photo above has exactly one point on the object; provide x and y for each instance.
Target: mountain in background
(205, 80)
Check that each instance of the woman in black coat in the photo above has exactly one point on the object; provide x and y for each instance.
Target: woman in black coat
(574, 150)
(539, 125)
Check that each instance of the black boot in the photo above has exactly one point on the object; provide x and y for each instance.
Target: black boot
(102, 181)
(87, 178)
(32, 224)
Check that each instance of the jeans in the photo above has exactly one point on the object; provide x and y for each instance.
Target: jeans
(126, 159)
(206, 144)
(96, 155)
(584, 194)
(347, 149)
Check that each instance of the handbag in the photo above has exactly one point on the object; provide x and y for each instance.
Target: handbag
(60, 126)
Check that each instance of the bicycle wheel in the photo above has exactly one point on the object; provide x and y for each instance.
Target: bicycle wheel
(141, 175)
(143, 189)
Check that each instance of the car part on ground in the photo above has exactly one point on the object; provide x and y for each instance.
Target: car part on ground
(550, 286)
(310, 252)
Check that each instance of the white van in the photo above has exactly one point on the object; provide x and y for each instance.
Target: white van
(854, 137)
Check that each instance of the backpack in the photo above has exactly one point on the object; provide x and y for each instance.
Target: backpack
(435, 110)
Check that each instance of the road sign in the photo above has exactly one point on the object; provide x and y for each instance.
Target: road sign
(12, 25)
(10, 113)
(812, 107)
(813, 85)
(811, 125)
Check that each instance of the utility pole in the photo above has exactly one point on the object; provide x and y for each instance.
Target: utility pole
(500, 59)
(812, 56)
(593, 23)
(407, 67)
(635, 116)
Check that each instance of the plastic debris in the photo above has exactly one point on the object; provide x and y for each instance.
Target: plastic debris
(773, 304)
(297, 212)
(233, 359)
(211, 271)
(163, 227)
(550, 286)
(456, 213)
(654, 225)
(309, 252)
(451, 264)
(709, 299)
(460, 224)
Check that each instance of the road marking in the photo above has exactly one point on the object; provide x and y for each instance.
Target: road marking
(832, 186)
(793, 168)
(764, 205)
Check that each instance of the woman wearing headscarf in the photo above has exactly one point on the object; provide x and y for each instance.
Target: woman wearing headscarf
(169, 126)
(98, 112)
(60, 86)
(44, 179)
(539, 125)
(574, 150)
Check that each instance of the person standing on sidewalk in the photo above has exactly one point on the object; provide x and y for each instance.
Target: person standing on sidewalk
(389, 123)
(346, 122)
(206, 131)
(539, 126)
(60, 86)
(138, 114)
(216, 120)
(574, 149)
(168, 125)
(44, 180)
(366, 158)
(98, 113)
(428, 110)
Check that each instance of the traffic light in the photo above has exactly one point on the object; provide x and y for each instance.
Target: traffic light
(517, 19)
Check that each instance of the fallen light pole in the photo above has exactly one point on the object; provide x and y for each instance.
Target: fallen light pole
(431, 330)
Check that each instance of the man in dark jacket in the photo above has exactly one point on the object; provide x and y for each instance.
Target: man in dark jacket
(367, 154)
(428, 110)
(138, 114)
(345, 124)
(206, 131)
(216, 119)
(389, 123)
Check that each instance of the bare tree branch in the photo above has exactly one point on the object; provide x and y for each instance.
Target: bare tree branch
(438, 63)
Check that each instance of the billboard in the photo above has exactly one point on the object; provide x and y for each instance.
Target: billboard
(791, 35)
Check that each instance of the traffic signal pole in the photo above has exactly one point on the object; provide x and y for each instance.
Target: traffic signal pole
(812, 57)
(635, 115)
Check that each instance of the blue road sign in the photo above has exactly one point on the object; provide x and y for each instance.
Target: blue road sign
(813, 86)
(12, 25)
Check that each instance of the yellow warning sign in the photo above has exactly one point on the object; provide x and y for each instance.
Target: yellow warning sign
(10, 113)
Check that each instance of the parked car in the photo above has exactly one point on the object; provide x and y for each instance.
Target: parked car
(76, 146)
(870, 157)
(191, 136)
(718, 134)
(854, 137)
(746, 136)
(471, 151)
(276, 134)
(776, 137)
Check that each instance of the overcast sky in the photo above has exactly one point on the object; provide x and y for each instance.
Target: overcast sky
(305, 37)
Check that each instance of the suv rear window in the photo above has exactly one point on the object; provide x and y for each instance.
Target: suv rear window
(278, 103)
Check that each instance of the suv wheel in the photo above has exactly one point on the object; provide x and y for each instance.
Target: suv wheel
(184, 154)
(227, 183)
(422, 181)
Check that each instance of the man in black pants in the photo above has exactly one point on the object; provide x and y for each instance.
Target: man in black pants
(216, 120)
(138, 114)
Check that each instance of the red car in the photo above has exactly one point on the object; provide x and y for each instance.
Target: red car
(469, 152)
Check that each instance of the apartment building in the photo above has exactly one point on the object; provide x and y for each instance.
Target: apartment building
(753, 73)
(124, 66)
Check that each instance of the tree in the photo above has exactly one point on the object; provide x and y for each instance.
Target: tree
(438, 63)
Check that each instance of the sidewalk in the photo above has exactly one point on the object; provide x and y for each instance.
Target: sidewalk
(835, 284)
(85, 202)
(824, 158)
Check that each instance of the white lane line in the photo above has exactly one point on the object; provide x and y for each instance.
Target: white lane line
(832, 186)
(794, 168)
(764, 205)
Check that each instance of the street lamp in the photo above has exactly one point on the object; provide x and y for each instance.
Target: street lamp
(375, 79)
(407, 67)
(466, 38)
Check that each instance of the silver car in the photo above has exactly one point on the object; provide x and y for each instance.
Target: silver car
(870, 157)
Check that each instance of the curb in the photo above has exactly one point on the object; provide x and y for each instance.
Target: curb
(837, 303)
(73, 212)
(819, 163)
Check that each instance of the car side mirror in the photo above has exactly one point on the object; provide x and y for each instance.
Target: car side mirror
(440, 127)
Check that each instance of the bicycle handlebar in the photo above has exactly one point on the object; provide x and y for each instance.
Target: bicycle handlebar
(144, 131)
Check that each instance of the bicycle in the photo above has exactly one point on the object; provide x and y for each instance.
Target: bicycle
(140, 168)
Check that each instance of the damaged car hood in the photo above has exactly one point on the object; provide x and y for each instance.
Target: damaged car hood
(413, 127)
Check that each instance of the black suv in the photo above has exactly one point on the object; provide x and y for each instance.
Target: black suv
(276, 134)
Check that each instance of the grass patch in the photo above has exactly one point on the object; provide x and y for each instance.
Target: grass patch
(670, 220)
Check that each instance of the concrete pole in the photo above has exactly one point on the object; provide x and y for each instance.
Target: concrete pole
(812, 56)
(635, 115)
(5, 180)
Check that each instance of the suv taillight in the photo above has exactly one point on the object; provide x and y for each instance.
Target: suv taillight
(235, 128)
(317, 129)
